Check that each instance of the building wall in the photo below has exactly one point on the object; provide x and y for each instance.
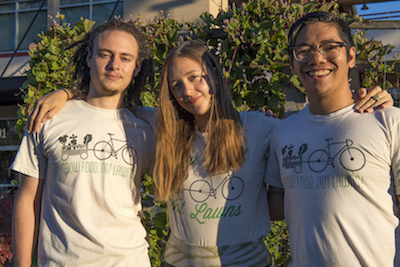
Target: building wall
(188, 10)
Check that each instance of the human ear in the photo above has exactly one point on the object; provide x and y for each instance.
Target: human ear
(292, 67)
(89, 59)
(352, 57)
(137, 69)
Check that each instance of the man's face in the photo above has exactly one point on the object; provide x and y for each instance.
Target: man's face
(112, 63)
(323, 77)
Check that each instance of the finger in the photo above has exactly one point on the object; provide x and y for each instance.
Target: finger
(32, 114)
(360, 99)
(367, 101)
(362, 92)
(380, 100)
(385, 100)
(269, 113)
(46, 113)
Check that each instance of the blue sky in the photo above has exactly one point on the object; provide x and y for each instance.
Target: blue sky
(389, 6)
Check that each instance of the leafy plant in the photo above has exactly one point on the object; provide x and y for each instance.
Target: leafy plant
(370, 57)
(6, 204)
(48, 63)
(250, 43)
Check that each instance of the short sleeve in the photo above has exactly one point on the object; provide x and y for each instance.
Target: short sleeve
(30, 159)
(272, 175)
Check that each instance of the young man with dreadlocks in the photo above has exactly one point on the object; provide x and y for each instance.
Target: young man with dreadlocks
(81, 171)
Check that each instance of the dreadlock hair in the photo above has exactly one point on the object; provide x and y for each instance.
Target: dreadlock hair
(81, 72)
(176, 128)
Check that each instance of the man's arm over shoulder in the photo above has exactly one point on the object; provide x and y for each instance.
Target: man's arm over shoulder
(26, 219)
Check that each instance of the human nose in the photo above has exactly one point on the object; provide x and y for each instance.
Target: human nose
(113, 63)
(316, 55)
(188, 88)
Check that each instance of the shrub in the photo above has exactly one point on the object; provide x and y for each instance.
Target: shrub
(250, 43)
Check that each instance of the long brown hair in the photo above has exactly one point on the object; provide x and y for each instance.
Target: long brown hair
(176, 127)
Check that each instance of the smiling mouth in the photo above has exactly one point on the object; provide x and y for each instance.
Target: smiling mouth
(319, 73)
(193, 100)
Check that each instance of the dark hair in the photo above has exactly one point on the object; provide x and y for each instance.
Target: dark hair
(325, 17)
(81, 72)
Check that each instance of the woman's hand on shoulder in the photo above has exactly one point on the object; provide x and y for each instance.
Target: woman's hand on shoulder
(369, 99)
(46, 107)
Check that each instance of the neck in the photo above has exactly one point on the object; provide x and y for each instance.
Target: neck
(201, 122)
(201, 126)
(325, 105)
(112, 101)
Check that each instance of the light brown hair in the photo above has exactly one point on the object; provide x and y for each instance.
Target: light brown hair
(176, 127)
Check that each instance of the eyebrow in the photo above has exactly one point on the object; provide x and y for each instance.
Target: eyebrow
(109, 51)
(322, 42)
(185, 74)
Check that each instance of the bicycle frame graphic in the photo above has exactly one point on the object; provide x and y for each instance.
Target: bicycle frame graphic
(350, 158)
(231, 188)
(105, 149)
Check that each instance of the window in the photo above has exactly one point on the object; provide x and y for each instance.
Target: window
(20, 14)
(97, 10)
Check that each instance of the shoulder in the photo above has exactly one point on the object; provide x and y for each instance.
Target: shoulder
(257, 119)
(391, 111)
(135, 120)
(148, 114)
(389, 115)
(258, 126)
(294, 121)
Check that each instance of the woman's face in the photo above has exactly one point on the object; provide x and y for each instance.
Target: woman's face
(188, 84)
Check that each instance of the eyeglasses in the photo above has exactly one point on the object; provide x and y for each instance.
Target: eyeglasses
(331, 50)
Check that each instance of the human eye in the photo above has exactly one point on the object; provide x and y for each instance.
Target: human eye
(104, 54)
(175, 86)
(126, 59)
(302, 50)
(330, 47)
(194, 77)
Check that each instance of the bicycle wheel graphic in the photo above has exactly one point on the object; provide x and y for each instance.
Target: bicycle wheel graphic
(102, 150)
(129, 155)
(200, 190)
(352, 159)
(318, 160)
(232, 188)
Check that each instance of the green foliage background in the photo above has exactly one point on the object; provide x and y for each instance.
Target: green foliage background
(250, 43)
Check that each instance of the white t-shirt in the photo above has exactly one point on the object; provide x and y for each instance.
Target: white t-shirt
(222, 220)
(92, 160)
(339, 172)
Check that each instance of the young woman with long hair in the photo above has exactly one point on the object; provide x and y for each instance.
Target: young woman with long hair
(210, 165)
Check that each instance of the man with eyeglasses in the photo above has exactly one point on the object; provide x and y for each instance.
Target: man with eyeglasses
(340, 170)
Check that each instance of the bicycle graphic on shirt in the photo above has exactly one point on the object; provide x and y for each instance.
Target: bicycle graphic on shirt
(231, 188)
(105, 149)
(351, 158)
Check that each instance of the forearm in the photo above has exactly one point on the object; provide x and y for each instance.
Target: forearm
(276, 203)
(25, 227)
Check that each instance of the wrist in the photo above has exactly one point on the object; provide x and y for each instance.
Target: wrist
(68, 96)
